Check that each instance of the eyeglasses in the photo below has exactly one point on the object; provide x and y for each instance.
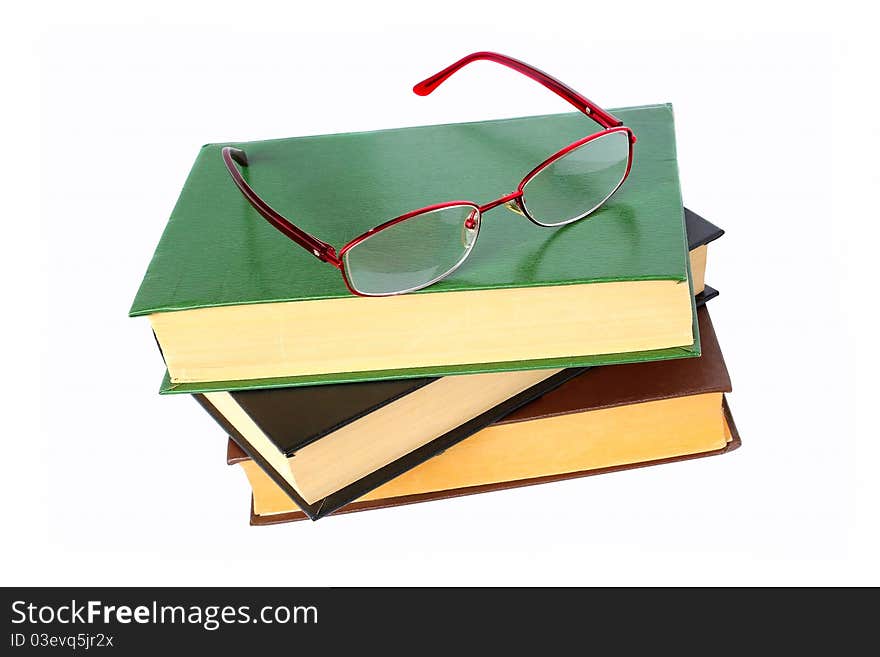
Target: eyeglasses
(569, 185)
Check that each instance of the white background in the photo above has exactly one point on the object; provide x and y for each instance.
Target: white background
(104, 108)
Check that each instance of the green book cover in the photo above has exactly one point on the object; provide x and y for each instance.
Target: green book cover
(217, 251)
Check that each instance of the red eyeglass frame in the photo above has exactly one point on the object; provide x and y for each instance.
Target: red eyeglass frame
(327, 253)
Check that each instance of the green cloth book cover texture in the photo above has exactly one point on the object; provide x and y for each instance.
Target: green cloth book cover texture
(216, 250)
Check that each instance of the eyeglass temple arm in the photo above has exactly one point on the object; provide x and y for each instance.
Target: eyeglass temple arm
(561, 89)
(318, 248)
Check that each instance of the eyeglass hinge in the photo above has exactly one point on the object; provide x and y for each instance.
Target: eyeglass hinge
(327, 255)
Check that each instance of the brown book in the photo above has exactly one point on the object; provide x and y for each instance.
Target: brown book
(604, 420)
(733, 442)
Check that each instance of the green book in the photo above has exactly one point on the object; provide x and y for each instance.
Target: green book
(235, 304)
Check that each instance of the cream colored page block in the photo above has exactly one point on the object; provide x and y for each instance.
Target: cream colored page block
(360, 448)
(364, 334)
(567, 443)
(698, 267)
(236, 416)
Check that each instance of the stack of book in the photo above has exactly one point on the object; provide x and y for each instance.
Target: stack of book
(550, 354)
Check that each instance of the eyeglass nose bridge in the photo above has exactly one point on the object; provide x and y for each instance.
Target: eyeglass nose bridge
(509, 201)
